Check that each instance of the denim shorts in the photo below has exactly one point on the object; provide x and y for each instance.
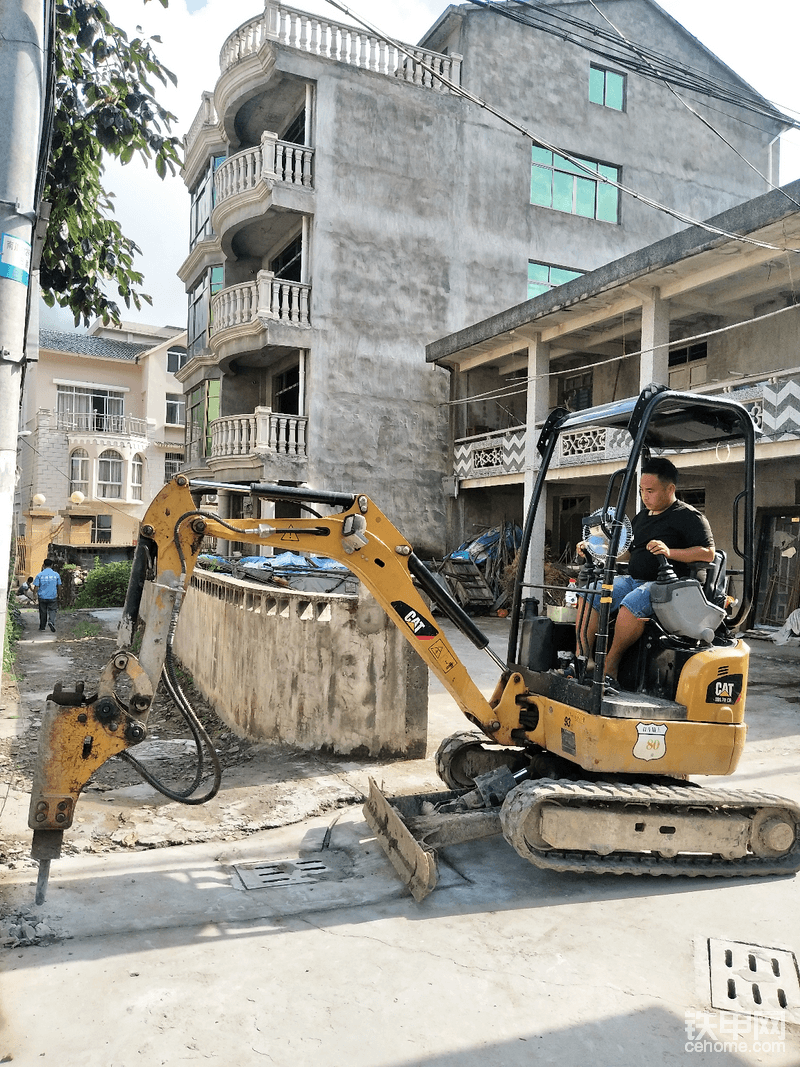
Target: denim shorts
(633, 593)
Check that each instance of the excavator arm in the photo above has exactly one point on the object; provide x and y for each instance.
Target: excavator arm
(80, 732)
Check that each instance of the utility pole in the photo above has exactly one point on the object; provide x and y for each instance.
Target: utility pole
(22, 95)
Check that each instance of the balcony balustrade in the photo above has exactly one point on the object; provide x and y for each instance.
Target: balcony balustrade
(263, 432)
(268, 299)
(338, 41)
(774, 406)
(93, 422)
(271, 161)
(491, 454)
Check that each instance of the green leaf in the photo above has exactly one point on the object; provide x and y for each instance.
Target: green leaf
(105, 104)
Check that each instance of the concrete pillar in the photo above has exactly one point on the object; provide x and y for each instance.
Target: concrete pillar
(21, 78)
(224, 512)
(538, 408)
(654, 360)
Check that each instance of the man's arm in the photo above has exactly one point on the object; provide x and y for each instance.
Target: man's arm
(696, 554)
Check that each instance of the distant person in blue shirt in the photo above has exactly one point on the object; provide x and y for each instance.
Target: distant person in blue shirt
(46, 583)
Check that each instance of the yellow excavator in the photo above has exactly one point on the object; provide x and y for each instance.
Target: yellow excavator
(577, 777)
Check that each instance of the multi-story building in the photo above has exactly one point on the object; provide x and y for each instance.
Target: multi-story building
(711, 310)
(348, 206)
(103, 427)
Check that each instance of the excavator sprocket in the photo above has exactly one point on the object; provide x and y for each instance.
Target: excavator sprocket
(462, 756)
(607, 828)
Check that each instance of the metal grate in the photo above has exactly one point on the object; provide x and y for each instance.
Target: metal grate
(277, 874)
(753, 979)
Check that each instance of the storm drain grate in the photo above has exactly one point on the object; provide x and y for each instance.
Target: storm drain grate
(276, 874)
(753, 979)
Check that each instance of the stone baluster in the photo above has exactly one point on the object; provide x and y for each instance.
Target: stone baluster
(261, 421)
(304, 295)
(456, 59)
(352, 51)
(269, 140)
(324, 38)
(264, 281)
(272, 17)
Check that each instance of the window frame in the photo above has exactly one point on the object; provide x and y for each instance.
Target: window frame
(137, 476)
(101, 530)
(176, 405)
(564, 175)
(107, 485)
(203, 406)
(172, 460)
(93, 409)
(200, 321)
(81, 484)
(177, 358)
(203, 201)
(594, 69)
(550, 284)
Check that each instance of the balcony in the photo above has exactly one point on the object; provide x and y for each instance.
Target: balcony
(92, 423)
(267, 312)
(266, 444)
(279, 24)
(774, 405)
(275, 174)
(491, 455)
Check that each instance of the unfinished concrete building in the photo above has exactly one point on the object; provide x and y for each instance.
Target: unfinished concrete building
(348, 206)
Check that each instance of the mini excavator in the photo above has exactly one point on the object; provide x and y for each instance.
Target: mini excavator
(576, 776)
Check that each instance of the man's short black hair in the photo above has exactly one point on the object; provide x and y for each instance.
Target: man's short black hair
(666, 472)
(48, 563)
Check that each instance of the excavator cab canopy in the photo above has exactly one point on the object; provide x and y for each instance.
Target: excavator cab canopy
(658, 419)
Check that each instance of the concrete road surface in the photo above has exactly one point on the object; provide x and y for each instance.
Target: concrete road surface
(298, 947)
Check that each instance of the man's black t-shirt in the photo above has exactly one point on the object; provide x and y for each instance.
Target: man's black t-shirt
(680, 526)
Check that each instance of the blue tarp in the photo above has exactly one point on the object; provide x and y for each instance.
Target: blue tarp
(292, 560)
(489, 545)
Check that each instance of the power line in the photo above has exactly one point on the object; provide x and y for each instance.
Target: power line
(680, 216)
(680, 342)
(639, 59)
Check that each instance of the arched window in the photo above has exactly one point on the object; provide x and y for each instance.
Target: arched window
(79, 471)
(109, 474)
(137, 474)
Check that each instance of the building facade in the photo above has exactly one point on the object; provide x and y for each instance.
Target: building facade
(102, 428)
(348, 206)
(710, 310)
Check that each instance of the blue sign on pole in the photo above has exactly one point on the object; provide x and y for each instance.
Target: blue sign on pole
(15, 258)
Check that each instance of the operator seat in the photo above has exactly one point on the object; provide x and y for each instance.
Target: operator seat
(690, 607)
(713, 577)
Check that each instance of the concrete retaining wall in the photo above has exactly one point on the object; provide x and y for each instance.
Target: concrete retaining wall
(322, 672)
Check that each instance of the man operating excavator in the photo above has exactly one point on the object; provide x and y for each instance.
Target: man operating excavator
(664, 527)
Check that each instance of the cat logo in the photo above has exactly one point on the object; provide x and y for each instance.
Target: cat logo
(651, 742)
(725, 690)
(419, 626)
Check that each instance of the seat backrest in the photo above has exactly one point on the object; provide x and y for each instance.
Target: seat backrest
(713, 578)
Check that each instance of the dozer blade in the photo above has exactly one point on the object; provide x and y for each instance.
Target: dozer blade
(415, 865)
(409, 828)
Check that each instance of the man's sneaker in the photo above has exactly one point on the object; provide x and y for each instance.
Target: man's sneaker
(52, 627)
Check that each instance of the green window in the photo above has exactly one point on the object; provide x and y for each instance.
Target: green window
(558, 183)
(203, 409)
(544, 276)
(607, 88)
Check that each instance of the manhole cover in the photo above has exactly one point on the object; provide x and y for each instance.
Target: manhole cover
(276, 874)
(753, 979)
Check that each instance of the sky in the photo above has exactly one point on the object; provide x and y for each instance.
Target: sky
(758, 41)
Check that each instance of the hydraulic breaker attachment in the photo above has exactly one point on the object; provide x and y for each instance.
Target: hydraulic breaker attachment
(75, 738)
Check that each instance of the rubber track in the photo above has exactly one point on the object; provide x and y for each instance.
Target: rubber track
(495, 756)
(521, 801)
